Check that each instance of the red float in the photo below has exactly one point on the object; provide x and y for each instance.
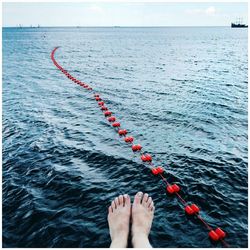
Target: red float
(146, 157)
(173, 189)
(170, 189)
(176, 188)
(137, 147)
(104, 108)
(155, 171)
(108, 113)
(160, 170)
(195, 208)
(98, 99)
(189, 210)
(129, 139)
(213, 235)
(111, 119)
(122, 132)
(220, 233)
(116, 124)
(100, 103)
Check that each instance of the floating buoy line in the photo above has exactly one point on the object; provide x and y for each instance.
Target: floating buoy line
(191, 209)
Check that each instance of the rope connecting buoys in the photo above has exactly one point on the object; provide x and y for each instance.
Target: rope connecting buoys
(173, 189)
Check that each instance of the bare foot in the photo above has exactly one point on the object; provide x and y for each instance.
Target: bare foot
(142, 217)
(118, 219)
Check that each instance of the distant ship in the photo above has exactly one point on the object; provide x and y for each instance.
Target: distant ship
(238, 24)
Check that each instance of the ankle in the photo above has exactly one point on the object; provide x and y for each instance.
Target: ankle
(119, 241)
(140, 240)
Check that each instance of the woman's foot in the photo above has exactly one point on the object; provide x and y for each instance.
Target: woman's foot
(142, 217)
(118, 219)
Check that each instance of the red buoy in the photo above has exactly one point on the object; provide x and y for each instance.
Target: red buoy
(213, 235)
(129, 139)
(195, 208)
(104, 108)
(98, 99)
(220, 233)
(160, 170)
(173, 189)
(189, 210)
(96, 95)
(107, 113)
(155, 171)
(100, 103)
(137, 147)
(170, 189)
(122, 132)
(146, 157)
(89, 88)
(116, 124)
(111, 119)
(176, 188)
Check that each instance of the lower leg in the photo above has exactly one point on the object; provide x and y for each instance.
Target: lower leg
(142, 217)
(118, 219)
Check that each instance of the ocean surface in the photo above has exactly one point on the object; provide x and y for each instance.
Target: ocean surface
(181, 92)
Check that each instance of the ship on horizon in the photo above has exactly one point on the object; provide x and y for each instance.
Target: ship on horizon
(239, 24)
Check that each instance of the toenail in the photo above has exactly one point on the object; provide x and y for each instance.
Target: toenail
(125, 196)
(139, 193)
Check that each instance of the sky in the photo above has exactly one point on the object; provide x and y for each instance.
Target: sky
(122, 14)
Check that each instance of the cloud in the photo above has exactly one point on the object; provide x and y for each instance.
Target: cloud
(208, 11)
(96, 9)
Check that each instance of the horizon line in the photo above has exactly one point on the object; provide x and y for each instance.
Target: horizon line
(116, 26)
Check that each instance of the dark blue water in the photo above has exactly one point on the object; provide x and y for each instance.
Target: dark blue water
(181, 92)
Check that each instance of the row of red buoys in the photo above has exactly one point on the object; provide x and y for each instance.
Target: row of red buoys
(172, 189)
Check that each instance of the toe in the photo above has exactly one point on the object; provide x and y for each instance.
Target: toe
(138, 197)
(145, 199)
(127, 200)
(110, 209)
(121, 202)
(151, 206)
(113, 206)
(116, 202)
(149, 202)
